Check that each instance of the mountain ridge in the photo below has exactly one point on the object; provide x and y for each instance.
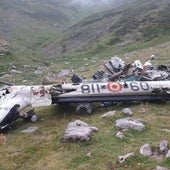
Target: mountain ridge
(144, 20)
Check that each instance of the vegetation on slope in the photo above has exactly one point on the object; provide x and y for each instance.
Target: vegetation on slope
(140, 21)
(45, 149)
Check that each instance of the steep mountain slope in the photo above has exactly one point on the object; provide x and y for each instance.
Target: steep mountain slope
(53, 13)
(141, 20)
(29, 25)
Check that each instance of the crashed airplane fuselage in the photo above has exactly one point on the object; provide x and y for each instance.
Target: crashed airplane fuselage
(113, 91)
(13, 99)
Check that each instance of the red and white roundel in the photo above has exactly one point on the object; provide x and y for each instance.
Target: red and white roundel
(114, 87)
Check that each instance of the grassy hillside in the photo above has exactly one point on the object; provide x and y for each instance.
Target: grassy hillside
(139, 21)
(30, 25)
(132, 32)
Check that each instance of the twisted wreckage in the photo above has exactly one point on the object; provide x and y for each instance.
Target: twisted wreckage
(116, 82)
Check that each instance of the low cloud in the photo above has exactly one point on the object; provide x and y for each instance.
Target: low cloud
(91, 2)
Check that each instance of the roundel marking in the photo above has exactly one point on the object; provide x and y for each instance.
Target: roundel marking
(114, 87)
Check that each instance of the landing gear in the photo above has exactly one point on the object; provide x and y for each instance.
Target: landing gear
(30, 116)
(84, 108)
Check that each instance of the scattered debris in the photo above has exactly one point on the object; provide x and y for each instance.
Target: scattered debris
(109, 114)
(16, 71)
(142, 110)
(78, 130)
(120, 135)
(127, 112)
(122, 158)
(129, 123)
(166, 130)
(116, 70)
(30, 129)
(89, 154)
(2, 138)
(146, 150)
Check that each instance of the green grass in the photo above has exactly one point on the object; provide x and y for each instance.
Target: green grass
(45, 149)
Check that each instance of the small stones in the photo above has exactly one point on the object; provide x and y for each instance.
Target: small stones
(145, 150)
(38, 71)
(30, 130)
(127, 112)
(159, 153)
(109, 114)
(160, 168)
(163, 147)
(168, 154)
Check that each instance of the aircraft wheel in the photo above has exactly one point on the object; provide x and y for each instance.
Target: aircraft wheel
(31, 116)
(84, 108)
(34, 118)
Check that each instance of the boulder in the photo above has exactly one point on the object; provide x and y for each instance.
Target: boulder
(129, 123)
(78, 130)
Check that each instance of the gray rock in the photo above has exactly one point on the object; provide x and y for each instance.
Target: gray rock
(38, 71)
(30, 129)
(129, 123)
(145, 150)
(163, 147)
(127, 112)
(161, 168)
(78, 130)
(168, 154)
(63, 73)
(109, 114)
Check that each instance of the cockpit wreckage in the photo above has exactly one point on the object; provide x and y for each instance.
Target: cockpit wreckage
(123, 83)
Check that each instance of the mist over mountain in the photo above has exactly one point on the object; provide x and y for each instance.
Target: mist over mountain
(98, 5)
(92, 2)
(140, 20)
(51, 15)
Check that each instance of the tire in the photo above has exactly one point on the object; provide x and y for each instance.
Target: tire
(84, 108)
(34, 118)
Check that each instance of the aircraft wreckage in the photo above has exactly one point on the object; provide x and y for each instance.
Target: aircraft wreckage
(116, 88)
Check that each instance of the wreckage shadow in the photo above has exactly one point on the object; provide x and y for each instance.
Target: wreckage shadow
(66, 109)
